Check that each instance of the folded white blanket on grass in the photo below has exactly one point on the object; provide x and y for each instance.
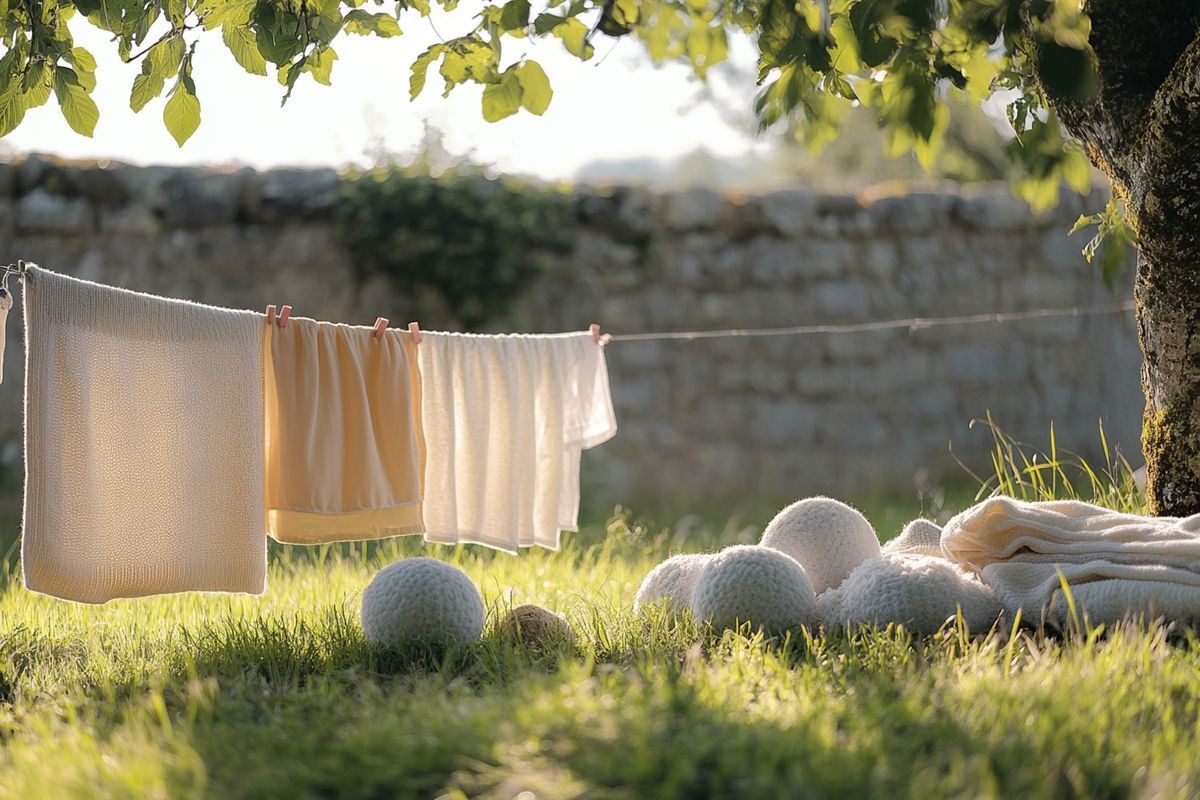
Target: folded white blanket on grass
(506, 419)
(143, 444)
(1117, 565)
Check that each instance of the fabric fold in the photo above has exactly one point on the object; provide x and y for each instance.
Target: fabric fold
(1115, 565)
(506, 419)
(143, 444)
(344, 452)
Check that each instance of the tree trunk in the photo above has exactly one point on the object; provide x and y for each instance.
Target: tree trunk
(1143, 130)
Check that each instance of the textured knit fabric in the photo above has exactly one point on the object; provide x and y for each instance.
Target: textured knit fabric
(919, 538)
(827, 537)
(757, 585)
(505, 421)
(1116, 565)
(343, 440)
(919, 592)
(143, 444)
(421, 600)
(671, 583)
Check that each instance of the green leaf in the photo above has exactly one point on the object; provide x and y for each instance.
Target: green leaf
(219, 13)
(502, 99)
(85, 67)
(145, 88)
(181, 114)
(574, 37)
(535, 87)
(242, 44)
(546, 23)
(364, 23)
(36, 85)
(77, 107)
(12, 108)
(468, 59)
(514, 15)
(320, 64)
(166, 57)
(420, 67)
(279, 33)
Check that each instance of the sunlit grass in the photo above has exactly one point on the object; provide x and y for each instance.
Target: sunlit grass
(280, 696)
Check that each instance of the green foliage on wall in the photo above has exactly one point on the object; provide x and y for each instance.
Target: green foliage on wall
(476, 241)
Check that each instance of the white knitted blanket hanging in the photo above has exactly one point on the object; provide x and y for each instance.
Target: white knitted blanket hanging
(143, 444)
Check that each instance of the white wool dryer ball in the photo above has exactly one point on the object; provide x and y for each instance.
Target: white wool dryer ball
(671, 582)
(918, 592)
(919, 538)
(421, 599)
(755, 584)
(827, 537)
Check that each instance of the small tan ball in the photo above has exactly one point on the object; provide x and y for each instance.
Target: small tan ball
(533, 625)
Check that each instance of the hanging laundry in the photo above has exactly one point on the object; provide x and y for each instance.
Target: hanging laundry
(343, 443)
(143, 444)
(6, 304)
(506, 419)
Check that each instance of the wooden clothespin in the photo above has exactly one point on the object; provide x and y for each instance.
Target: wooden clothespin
(271, 314)
(381, 324)
(284, 313)
(595, 329)
(414, 330)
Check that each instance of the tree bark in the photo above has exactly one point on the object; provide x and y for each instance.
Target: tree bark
(1143, 131)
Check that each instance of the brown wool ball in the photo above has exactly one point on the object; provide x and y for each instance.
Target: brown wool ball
(534, 625)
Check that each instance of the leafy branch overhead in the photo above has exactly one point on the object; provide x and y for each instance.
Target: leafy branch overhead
(899, 58)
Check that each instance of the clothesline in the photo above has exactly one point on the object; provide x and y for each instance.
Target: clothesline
(911, 323)
(914, 323)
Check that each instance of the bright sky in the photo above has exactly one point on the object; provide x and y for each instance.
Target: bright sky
(616, 106)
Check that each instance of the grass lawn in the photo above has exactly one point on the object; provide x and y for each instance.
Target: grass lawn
(280, 696)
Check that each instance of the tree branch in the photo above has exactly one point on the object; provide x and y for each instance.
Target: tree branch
(1137, 45)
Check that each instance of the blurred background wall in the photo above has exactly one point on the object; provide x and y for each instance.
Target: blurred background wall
(784, 416)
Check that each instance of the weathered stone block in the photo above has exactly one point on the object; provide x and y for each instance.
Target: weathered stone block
(841, 300)
(994, 211)
(916, 212)
(40, 211)
(293, 194)
(130, 220)
(694, 209)
(789, 213)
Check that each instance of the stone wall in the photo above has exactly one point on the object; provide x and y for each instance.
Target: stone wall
(772, 416)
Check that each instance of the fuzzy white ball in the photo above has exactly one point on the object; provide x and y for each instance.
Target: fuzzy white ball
(827, 537)
(919, 538)
(918, 592)
(755, 584)
(424, 600)
(671, 583)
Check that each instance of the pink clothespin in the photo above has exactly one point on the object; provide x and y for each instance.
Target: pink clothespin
(414, 330)
(271, 314)
(284, 313)
(381, 324)
(595, 329)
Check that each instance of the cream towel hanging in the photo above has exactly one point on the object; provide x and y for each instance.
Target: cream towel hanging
(143, 444)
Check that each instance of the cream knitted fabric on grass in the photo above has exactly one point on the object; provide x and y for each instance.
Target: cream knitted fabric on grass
(757, 585)
(506, 419)
(919, 592)
(143, 444)
(919, 538)
(1116, 565)
(827, 537)
(671, 583)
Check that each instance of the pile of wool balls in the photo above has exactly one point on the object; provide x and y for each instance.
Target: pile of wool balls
(427, 601)
(819, 563)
